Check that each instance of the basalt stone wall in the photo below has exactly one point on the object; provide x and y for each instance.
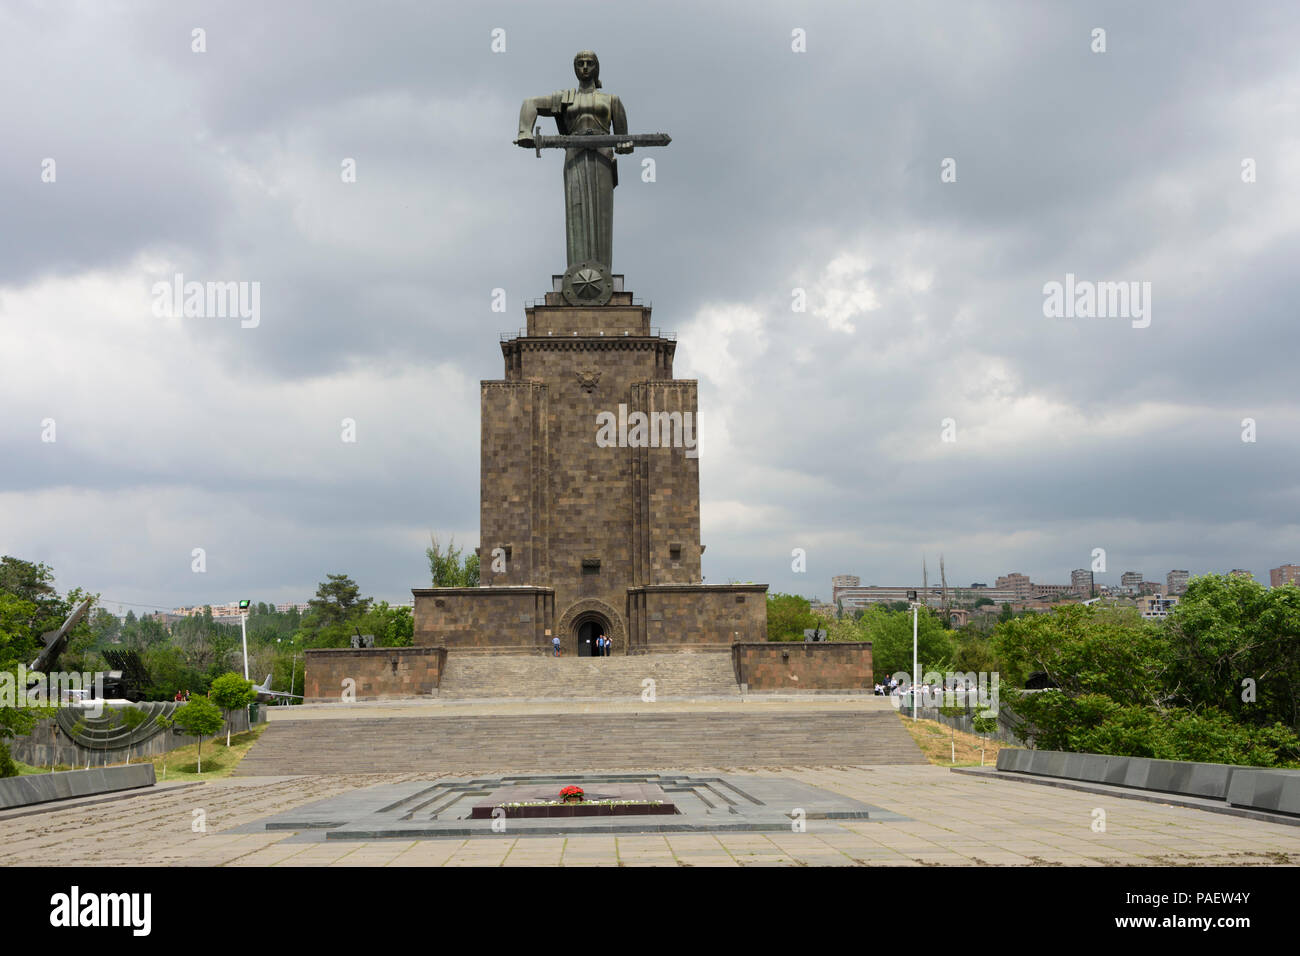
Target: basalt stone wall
(780, 665)
(44, 787)
(1253, 787)
(377, 672)
(677, 617)
(492, 619)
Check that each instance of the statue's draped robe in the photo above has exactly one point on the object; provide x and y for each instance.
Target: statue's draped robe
(590, 175)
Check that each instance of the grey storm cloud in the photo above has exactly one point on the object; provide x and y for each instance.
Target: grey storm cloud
(817, 171)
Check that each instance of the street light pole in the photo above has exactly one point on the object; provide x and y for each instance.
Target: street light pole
(243, 633)
(911, 596)
(915, 675)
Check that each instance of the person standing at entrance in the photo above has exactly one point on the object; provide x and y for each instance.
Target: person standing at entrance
(555, 645)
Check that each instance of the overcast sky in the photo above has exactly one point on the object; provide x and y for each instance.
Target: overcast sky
(817, 170)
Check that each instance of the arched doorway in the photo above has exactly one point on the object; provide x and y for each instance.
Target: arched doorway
(586, 628)
(574, 633)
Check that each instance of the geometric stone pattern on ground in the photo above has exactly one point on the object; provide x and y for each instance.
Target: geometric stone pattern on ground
(705, 803)
(705, 674)
(576, 742)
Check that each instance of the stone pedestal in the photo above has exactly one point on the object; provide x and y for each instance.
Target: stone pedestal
(589, 493)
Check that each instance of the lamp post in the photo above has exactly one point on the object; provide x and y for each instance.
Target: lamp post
(911, 596)
(243, 632)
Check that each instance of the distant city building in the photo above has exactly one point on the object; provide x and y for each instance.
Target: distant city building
(1176, 582)
(1151, 587)
(1018, 584)
(858, 598)
(845, 581)
(231, 611)
(1286, 574)
(1241, 573)
(1081, 583)
(1131, 581)
(1154, 607)
(1051, 592)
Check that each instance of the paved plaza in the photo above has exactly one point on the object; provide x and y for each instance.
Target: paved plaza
(931, 815)
(953, 819)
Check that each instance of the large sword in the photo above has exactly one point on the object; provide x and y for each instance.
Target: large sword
(597, 140)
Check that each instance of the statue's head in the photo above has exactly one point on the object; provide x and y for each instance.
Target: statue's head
(586, 66)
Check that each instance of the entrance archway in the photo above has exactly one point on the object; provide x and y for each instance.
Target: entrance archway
(584, 621)
(588, 631)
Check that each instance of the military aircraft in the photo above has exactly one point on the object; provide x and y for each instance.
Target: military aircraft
(265, 695)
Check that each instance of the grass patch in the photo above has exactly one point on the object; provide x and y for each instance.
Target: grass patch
(181, 764)
(25, 769)
(937, 741)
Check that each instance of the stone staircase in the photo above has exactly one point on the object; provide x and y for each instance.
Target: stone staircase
(479, 744)
(519, 676)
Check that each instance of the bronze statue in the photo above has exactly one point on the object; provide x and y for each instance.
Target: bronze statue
(590, 122)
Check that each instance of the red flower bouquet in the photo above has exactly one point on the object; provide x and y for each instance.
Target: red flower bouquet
(571, 794)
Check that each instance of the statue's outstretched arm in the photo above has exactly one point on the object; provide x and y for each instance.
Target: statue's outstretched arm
(533, 107)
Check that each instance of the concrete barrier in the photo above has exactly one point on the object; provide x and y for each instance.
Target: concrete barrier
(43, 787)
(1263, 789)
(1143, 773)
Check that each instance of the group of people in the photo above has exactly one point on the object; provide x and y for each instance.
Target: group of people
(602, 649)
(887, 688)
(182, 696)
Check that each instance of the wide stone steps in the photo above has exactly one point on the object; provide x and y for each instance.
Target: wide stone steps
(573, 742)
(707, 674)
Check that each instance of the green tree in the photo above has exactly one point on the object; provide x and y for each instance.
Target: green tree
(890, 633)
(446, 567)
(29, 606)
(105, 627)
(844, 629)
(788, 616)
(337, 600)
(1230, 635)
(391, 626)
(231, 692)
(1085, 649)
(199, 718)
(169, 672)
